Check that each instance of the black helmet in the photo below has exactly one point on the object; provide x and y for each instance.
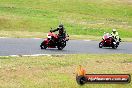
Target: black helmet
(61, 25)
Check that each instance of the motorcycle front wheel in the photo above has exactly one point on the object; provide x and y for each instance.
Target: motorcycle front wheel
(43, 46)
(100, 45)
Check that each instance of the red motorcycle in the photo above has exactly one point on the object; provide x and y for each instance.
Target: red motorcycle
(54, 41)
(108, 41)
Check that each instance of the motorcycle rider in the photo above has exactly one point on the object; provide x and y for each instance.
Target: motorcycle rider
(62, 31)
(115, 35)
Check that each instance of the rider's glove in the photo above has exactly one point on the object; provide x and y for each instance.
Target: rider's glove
(51, 31)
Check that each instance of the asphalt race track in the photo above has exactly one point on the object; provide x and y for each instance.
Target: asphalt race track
(30, 46)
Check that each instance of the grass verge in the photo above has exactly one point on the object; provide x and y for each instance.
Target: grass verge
(59, 71)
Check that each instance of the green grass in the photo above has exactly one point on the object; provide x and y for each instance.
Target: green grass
(59, 71)
(80, 17)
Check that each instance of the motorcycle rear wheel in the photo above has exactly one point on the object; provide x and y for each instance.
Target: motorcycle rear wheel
(114, 46)
(61, 45)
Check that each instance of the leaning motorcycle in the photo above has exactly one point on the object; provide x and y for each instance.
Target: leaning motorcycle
(54, 41)
(108, 41)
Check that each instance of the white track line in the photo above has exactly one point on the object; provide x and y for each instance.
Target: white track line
(18, 38)
(3, 37)
(86, 40)
(34, 55)
(13, 55)
(38, 55)
(36, 38)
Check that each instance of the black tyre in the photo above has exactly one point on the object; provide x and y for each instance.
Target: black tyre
(114, 46)
(100, 45)
(81, 80)
(61, 45)
(43, 46)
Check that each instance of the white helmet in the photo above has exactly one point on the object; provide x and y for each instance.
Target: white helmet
(114, 30)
